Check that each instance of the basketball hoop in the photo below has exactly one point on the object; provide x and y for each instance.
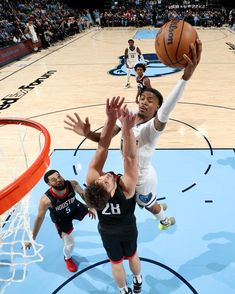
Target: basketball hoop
(29, 164)
(13, 192)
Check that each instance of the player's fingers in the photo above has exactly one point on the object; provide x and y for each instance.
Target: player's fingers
(189, 61)
(194, 54)
(87, 121)
(124, 107)
(107, 103)
(116, 101)
(199, 50)
(112, 102)
(121, 102)
(68, 123)
(71, 118)
(77, 117)
(68, 128)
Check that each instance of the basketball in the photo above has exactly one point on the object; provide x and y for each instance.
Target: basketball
(173, 41)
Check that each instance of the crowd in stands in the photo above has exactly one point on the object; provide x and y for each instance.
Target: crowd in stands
(154, 12)
(53, 20)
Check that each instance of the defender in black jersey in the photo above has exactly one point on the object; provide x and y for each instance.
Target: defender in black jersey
(142, 81)
(113, 197)
(61, 201)
(117, 225)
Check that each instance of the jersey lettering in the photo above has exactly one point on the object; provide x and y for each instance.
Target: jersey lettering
(65, 204)
(110, 208)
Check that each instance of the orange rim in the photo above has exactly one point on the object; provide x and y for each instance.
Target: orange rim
(14, 192)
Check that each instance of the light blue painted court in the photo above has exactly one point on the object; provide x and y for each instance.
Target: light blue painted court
(200, 254)
(145, 34)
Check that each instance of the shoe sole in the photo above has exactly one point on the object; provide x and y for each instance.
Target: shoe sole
(165, 227)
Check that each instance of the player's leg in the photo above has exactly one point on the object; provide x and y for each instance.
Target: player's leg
(129, 68)
(68, 248)
(128, 78)
(115, 253)
(119, 275)
(146, 197)
(65, 231)
(130, 250)
(68, 244)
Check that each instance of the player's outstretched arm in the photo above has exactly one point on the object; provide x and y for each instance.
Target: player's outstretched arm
(42, 209)
(82, 128)
(163, 113)
(96, 165)
(129, 178)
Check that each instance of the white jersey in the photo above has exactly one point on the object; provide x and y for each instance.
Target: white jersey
(146, 137)
(32, 33)
(133, 57)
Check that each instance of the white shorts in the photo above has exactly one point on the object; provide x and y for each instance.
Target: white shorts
(146, 189)
(131, 64)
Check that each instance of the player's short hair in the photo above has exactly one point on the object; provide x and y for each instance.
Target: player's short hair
(156, 93)
(96, 196)
(131, 40)
(48, 174)
(140, 65)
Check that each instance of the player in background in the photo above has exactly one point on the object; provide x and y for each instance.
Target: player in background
(132, 56)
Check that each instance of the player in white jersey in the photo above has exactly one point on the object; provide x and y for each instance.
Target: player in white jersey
(132, 55)
(150, 122)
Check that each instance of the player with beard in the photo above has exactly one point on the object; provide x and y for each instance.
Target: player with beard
(150, 122)
(64, 207)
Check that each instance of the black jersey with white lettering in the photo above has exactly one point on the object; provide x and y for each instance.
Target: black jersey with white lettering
(62, 207)
(117, 218)
(140, 85)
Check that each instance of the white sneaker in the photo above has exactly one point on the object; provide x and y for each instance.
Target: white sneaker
(164, 225)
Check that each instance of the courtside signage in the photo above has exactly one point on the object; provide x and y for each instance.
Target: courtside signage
(8, 100)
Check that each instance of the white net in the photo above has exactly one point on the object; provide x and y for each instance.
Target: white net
(19, 147)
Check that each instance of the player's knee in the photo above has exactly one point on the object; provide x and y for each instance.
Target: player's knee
(146, 201)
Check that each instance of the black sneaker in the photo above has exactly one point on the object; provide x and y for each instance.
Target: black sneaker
(128, 85)
(136, 286)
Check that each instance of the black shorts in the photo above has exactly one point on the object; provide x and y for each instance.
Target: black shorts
(66, 225)
(119, 250)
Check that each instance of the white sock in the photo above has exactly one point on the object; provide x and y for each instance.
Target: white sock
(68, 245)
(161, 215)
(128, 75)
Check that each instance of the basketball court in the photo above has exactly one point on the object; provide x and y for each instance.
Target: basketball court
(195, 161)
